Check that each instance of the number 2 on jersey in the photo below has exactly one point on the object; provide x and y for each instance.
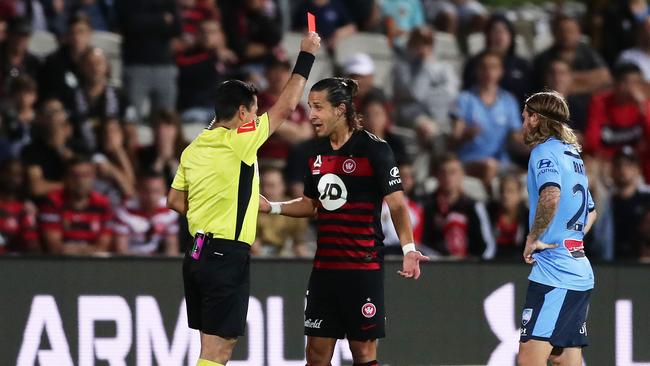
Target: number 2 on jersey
(573, 224)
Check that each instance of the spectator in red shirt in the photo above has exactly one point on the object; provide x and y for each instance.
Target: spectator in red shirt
(509, 216)
(620, 117)
(17, 216)
(144, 225)
(76, 219)
(193, 13)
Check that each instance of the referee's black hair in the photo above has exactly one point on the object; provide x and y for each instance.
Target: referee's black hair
(341, 91)
(231, 94)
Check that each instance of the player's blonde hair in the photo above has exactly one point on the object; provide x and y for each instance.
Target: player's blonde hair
(553, 112)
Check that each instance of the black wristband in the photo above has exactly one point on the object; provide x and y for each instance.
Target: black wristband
(304, 63)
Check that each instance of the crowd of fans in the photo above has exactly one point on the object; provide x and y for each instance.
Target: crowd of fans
(78, 179)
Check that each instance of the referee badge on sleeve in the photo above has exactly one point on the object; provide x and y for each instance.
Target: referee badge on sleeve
(249, 126)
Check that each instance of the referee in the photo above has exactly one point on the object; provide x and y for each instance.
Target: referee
(217, 188)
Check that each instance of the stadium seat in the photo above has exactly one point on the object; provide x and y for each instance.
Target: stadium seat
(111, 44)
(377, 47)
(446, 48)
(145, 134)
(191, 130)
(42, 43)
(472, 187)
(542, 42)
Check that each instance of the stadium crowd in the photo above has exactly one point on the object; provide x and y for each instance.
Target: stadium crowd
(98, 98)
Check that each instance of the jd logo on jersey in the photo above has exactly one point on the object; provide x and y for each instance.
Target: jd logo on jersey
(332, 192)
(544, 163)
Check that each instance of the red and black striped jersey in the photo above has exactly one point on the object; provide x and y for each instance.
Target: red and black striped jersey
(349, 185)
(76, 225)
(17, 225)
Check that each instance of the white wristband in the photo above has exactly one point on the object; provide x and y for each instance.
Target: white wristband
(407, 248)
(276, 208)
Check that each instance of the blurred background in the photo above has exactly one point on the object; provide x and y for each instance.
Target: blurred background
(99, 97)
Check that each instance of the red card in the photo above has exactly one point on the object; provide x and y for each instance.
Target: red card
(311, 22)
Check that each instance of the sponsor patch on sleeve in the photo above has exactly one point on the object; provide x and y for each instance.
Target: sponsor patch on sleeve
(249, 126)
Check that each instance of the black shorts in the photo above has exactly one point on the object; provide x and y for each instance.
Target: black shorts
(346, 303)
(555, 315)
(217, 287)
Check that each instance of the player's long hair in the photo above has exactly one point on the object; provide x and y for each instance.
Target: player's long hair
(553, 112)
(341, 91)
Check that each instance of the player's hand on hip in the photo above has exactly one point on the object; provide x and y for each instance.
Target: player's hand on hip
(411, 265)
(535, 245)
(265, 206)
(310, 43)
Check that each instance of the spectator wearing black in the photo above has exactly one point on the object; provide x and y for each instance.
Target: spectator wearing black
(253, 29)
(148, 29)
(18, 118)
(590, 71)
(500, 39)
(376, 120)
(559, 77)
(621, 20)
(509, 217)
(15, 58)
(115, 172)
(366, 14)
(454, 224)
(644, 238)
(630, 202)
(296, 168)
(17, 215)
(333, 20)
(44, 158)
(163, 156)
(61, 72)
(95, 99)
(200, 69)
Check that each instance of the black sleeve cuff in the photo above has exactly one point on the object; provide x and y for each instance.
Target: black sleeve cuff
(548, 184)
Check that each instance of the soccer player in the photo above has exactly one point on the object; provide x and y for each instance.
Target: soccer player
(554, 320)
(350, 173)
(216, 186)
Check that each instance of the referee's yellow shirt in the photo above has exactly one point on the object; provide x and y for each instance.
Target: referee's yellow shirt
(219, 172)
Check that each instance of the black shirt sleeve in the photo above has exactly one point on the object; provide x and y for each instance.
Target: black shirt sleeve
(385, 168)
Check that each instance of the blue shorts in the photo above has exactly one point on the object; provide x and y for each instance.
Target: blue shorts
(555, 315)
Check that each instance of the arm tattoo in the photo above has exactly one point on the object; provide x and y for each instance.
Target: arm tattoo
(546, 206)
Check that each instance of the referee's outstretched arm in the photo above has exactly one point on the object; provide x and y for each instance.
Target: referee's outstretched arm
(292, 92)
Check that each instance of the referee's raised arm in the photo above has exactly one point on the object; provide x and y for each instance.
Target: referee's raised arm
(292, 91)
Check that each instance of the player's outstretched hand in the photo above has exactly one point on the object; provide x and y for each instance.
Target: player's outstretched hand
(532, 246)
(411, 265)
(265, 206)
(310, 43)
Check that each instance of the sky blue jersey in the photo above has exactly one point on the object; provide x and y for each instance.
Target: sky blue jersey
(554, 163)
